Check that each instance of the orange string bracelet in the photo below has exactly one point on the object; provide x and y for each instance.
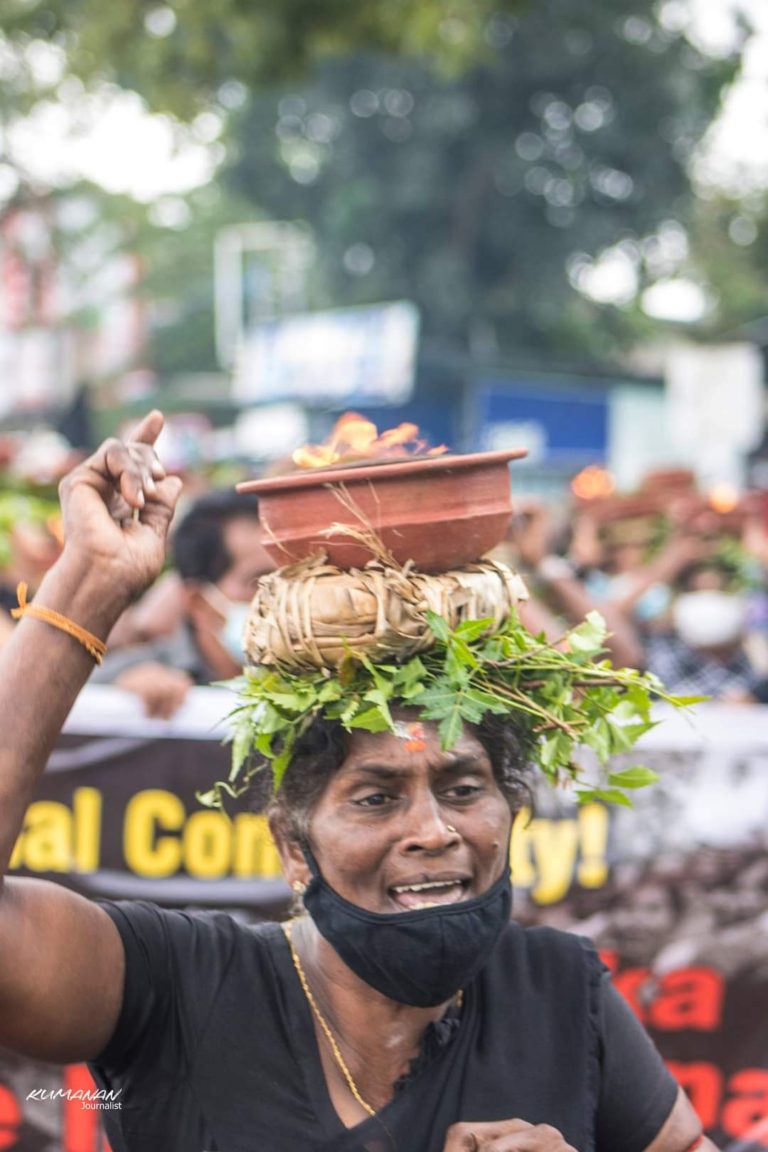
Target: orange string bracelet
(94, 647)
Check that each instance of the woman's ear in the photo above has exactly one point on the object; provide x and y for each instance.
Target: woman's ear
(295, 867)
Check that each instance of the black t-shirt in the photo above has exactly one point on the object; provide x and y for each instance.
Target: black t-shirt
(215, 1049)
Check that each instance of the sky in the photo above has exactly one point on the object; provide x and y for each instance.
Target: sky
(737, 152)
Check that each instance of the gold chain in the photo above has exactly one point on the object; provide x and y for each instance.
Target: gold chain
(324, 1025)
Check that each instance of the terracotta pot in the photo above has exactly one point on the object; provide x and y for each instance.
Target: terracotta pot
(440, 512)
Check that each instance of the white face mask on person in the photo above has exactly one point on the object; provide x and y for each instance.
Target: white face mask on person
(234, 614)
(709, 619)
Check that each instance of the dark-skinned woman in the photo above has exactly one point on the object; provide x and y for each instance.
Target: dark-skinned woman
(401, 1011)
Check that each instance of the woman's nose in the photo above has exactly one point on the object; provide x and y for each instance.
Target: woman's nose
(429, 829)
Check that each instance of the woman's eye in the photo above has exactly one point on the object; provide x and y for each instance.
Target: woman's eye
(373, 800)
(463, 791)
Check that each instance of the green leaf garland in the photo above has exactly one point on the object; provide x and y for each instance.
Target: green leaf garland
(565, 695)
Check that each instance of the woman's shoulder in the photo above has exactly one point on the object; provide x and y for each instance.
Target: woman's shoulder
(190, 936)
(546, 953)
(540, 938)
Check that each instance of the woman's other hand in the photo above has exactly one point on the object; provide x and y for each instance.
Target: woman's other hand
(505, 1136)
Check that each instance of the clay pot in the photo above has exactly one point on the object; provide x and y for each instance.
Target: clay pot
(440, 512)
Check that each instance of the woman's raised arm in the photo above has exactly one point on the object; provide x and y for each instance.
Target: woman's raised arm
(61, 958)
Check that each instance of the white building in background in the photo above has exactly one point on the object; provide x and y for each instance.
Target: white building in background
(63, 319)
(708, 416)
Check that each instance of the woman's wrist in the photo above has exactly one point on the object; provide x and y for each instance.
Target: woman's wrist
(86, 594)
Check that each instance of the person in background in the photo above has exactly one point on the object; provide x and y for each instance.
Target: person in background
(32, 545)
(218, 555)
(703, 652)
(558, 597)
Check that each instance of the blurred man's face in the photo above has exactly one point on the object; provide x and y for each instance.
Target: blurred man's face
(243, 539)
(217, 611)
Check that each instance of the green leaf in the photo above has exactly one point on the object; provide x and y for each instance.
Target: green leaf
(329, 692)
(263, 743)
(347, 713)
(585, 796)
(637, 777)
(460, 655)
(409, 675)
(555, 750)
(598, 737)
(588, 638)
(624, 711)
(612, 796)
(241, 749)
(487, 701)
(438, 700)
(281, 762)
(381, 700)
(438, 626)
(471, 630)
(372, 720)
(450, 729)
(269, 720)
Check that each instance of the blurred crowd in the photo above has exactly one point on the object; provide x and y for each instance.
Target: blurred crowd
(706, 906)
(680, 577)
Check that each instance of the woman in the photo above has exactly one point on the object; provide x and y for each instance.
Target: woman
(402, 1012)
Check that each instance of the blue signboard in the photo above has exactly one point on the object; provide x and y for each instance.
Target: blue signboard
(565, 426)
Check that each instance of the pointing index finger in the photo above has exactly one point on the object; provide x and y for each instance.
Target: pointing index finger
(148, 430)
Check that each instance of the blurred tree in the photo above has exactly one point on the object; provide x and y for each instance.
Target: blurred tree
(188, 54)
(729, 246)
(488, 198)
(517, 165)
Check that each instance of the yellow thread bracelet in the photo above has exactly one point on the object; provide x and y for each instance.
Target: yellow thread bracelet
(94, 647)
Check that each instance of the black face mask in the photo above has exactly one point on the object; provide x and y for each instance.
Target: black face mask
(422, 957)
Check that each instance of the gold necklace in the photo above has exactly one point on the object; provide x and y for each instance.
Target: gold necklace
(287, 929)
(324, 1025)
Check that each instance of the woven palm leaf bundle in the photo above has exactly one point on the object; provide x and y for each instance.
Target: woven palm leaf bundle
(311, 615)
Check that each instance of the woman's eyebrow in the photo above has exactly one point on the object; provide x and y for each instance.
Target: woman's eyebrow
(459, 764)
(453, 767)
(379, 771)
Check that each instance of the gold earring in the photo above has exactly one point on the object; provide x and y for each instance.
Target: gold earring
(299, 887)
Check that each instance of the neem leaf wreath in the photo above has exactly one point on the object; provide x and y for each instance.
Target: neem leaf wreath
(565, 693)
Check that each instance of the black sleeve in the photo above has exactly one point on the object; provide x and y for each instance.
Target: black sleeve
(637, 1093)
(174, 965)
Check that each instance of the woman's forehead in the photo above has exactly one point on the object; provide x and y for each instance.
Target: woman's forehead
(412, 745)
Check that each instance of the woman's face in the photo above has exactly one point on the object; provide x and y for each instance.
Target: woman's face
(402, 823)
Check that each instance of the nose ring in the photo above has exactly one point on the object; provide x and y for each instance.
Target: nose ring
(450, 828)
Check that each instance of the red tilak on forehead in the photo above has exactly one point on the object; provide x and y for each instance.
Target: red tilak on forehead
(413, 735)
